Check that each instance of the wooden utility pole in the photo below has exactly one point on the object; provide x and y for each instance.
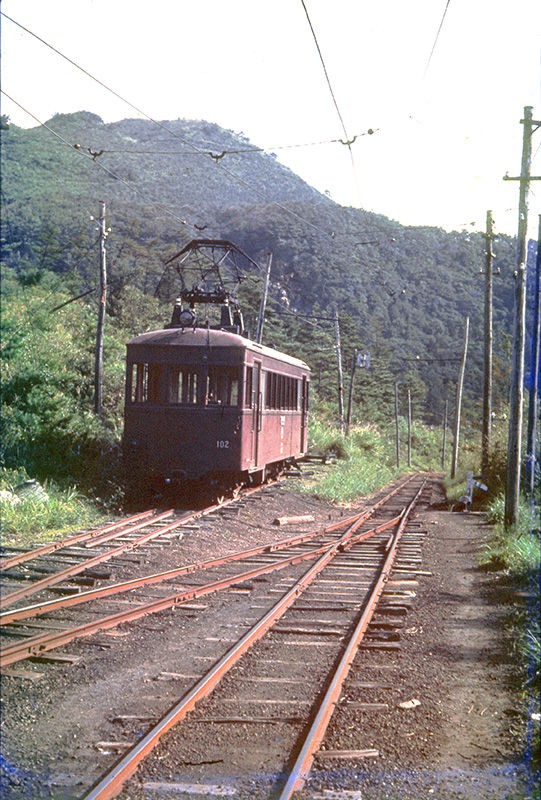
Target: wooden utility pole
(340, 372)
(458, 404)
(409, 427)
(397, 424)
(532, 450)
(351, 383)
(487, 385)
(98, 360)
(516, 397)
(444, 439)
(263, 305)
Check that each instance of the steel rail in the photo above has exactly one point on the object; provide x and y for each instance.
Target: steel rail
(81, 597)
(126, 547)
(60, 544)
(47, 606)
(75, 569)
(37, 645)
(50, 547)
(313, 738)
(222, 504)
(109, 785)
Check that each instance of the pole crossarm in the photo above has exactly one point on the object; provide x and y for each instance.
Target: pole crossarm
(519, 178)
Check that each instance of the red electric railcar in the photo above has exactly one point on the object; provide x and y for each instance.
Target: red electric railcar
(210, 404)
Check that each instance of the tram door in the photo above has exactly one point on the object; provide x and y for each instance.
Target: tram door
(257, 411)
(304, 413)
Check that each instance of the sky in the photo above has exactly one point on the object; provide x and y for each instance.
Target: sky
(444, 100)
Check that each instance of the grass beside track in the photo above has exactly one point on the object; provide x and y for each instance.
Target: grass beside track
(366, 458)
(516, 554)
(36, 518)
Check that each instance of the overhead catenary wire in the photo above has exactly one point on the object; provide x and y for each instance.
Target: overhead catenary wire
(300, 315)
(101, 83)
(328, 80)
(93, 156)
(348, 141)
(81, 152)
(195, 149)
(437, 38)
(229, 151)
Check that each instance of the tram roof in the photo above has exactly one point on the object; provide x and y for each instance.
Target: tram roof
(213, 338)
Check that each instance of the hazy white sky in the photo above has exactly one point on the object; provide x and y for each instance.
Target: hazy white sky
(447, 128)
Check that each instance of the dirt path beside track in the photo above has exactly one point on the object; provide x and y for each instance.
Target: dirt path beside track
(465, 740)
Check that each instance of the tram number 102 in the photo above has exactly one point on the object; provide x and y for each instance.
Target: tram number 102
(222, 444)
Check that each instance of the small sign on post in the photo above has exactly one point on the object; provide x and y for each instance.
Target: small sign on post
(471, 483)
(361, 360)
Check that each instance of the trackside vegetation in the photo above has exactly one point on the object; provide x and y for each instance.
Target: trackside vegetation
(516, 555)
(366, 458)
(29, 518)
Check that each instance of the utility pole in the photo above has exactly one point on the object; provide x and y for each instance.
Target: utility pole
(458, 404)
(340, 373)
(397, 424)
(263, 306)
(98, 360)
(487, 385)
(535, 361)
(409, 427)
(351, 382)
(516, 399)
(444, 438)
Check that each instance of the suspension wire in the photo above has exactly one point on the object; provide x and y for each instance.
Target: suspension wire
(94, 160)
(216, 156)
(348, 141)
(160, 125)
(437, 37)
(325, 71)
(301, 316)
(196, 150)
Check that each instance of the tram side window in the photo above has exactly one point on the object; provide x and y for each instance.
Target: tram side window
(282, 392)
(223, 386)
(139, 383)
(160, 383)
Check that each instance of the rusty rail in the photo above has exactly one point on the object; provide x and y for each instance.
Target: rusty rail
(42, 643)
(57, 577)
(81, 597)
(313, 738)
(47, 606)
(78, 538)
(108, 786)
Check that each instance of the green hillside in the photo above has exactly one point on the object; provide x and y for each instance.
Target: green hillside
(402, 293)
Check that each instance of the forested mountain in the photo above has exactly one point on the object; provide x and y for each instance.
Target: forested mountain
(402, 293)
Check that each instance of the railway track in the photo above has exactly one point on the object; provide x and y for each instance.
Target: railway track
(328, 583)
(84, 551)
(280, 555)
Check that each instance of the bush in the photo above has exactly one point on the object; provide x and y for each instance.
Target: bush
(517, 551)
(47, 388)
(31, 518)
